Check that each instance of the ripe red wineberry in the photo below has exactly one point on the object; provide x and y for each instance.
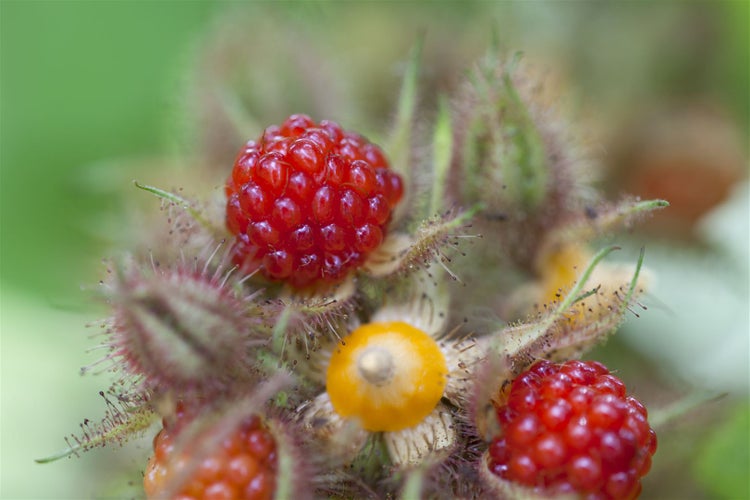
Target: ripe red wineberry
(309, 201)
(571, 428)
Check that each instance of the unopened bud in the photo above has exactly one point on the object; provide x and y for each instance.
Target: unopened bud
(180, 330)
(504, 146)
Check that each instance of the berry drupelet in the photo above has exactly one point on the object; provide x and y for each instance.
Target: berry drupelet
(308, 202)
(570, 429)
(243, 466)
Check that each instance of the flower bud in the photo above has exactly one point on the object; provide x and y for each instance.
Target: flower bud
(180, 330)
(504, 153)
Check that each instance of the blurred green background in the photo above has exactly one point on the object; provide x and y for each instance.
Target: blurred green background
(95, 94)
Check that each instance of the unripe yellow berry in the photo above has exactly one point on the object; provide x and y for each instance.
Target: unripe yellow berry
(388, 375)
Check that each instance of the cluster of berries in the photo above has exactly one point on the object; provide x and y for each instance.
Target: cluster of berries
(308, 202)
(570, 428)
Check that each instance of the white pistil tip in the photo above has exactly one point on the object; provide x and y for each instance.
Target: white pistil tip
(376, 365)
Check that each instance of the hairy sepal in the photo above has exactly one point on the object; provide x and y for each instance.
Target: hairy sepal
(126, 416)
(432, 242)
(182, 330)
(307, 322)
(564, 332)
(193, 208)
(188, 232)
(503, 152)
(594, 222)
(400, 146)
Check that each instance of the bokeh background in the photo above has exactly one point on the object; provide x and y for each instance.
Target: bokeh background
(96, 94)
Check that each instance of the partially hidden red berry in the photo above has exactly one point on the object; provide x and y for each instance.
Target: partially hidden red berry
(308, 202)
(570, 428)
(242, 467)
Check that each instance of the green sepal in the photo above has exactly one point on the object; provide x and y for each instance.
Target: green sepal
(178, 200)
(399, 145)
(552, 336)
(121, 422)
(442, 151)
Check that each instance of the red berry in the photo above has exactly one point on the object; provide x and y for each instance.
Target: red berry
(308, 202)
(243, 466)
(570, 428)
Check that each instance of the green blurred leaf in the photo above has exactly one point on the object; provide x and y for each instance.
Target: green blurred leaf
(81, 81)
(723, 463)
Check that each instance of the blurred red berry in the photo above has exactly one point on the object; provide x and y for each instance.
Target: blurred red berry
(242, 467)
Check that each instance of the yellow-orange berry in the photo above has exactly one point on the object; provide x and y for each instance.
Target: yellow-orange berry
(388, 375)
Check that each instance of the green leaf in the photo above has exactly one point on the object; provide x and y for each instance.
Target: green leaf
(722, 464)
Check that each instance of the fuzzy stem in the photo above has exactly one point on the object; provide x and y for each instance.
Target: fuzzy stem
(242, 122)
(648, 205)
(630, 210)
(634, 281)
(413, 485)
(528, 337)
(663, 416)
(584, 231)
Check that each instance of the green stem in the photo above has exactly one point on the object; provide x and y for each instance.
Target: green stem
(442, 140)
(279, 331)
(663, 416)
(413, 485)
(634, 281)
